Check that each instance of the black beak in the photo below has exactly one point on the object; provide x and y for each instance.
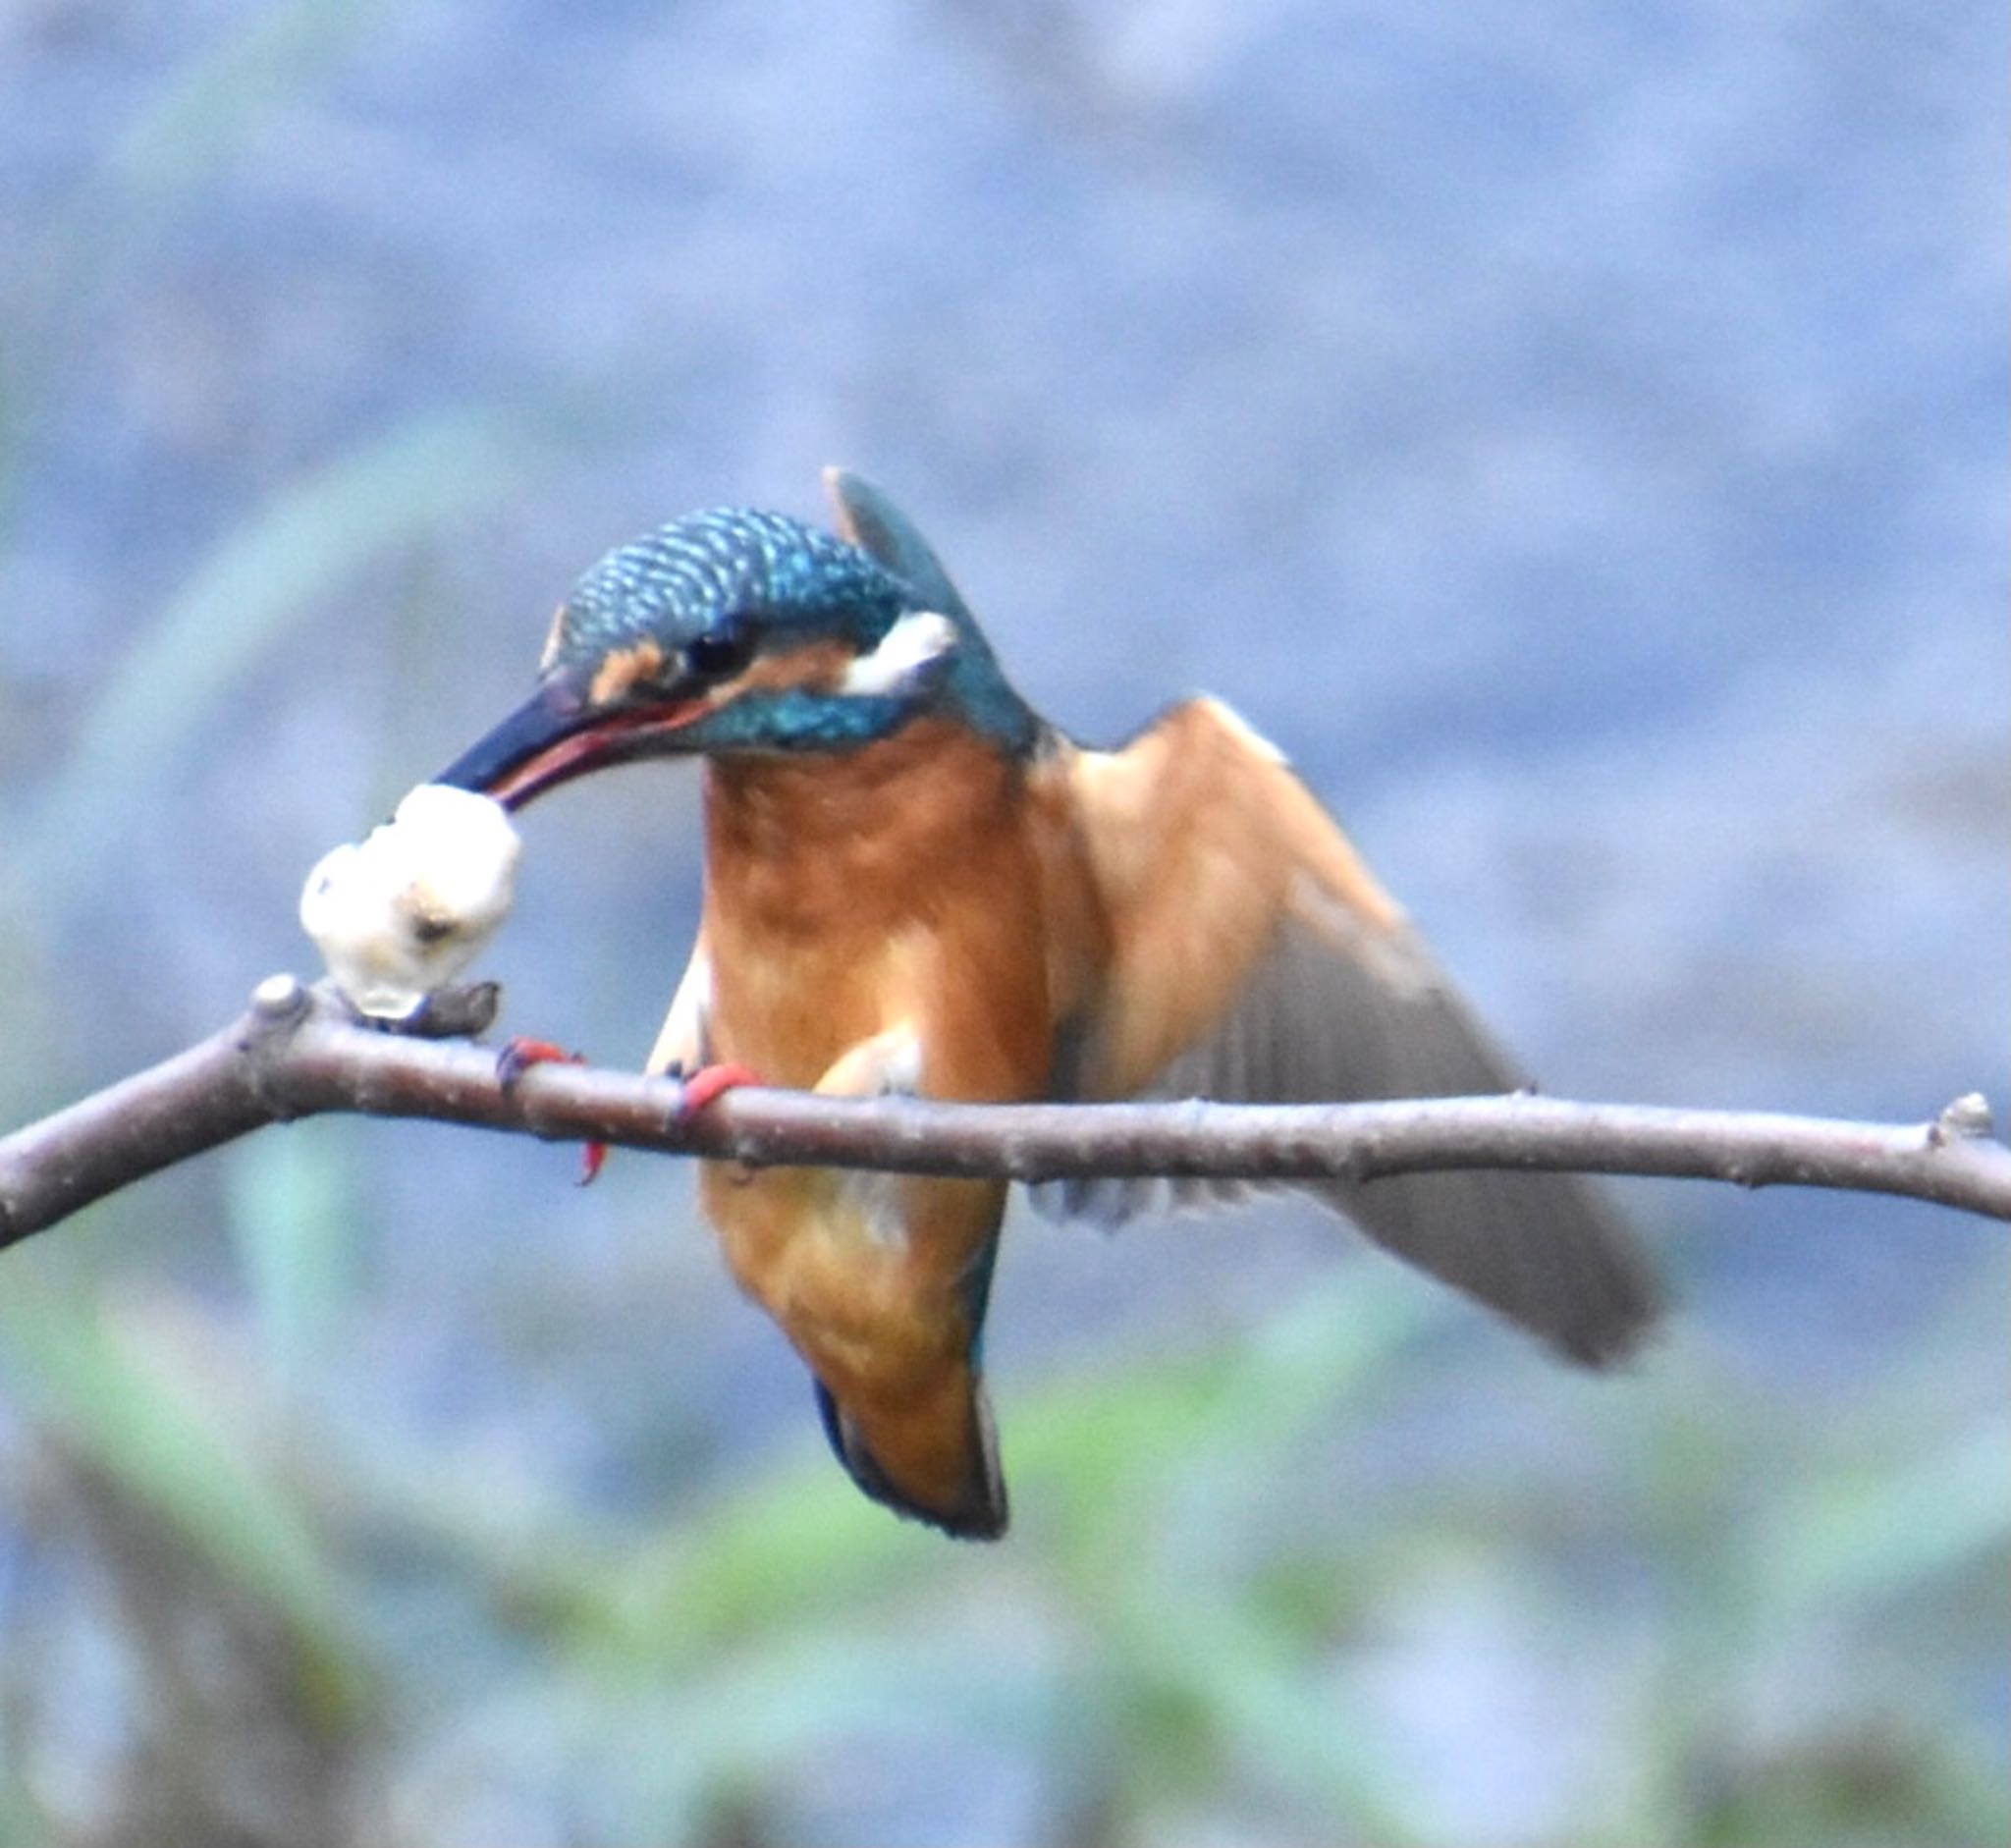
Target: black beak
(555, 736)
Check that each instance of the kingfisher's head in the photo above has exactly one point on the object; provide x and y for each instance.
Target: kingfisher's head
(737, 631)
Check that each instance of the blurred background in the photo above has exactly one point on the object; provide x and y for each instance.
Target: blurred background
(1576, 434)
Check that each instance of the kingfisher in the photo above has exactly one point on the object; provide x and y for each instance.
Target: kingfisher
(915, 885)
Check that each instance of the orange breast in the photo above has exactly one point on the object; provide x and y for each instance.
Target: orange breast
(923, 884)
(901, 885)
(900, 881)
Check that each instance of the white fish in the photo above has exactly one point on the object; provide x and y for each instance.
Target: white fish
(402, 913)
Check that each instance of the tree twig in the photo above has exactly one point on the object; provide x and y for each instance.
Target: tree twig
(298, 1053)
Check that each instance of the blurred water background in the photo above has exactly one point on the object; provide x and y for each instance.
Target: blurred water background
(1577, 434)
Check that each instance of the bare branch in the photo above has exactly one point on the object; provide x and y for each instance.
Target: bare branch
(298, 1053)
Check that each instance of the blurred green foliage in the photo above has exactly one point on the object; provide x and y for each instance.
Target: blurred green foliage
(1234, 1608)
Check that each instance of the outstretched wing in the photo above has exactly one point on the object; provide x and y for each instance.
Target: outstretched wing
(1253, 957)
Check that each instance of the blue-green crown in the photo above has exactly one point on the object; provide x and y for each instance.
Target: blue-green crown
(769, 581)
(728, 566)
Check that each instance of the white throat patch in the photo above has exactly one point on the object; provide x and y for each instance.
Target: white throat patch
(904, 652)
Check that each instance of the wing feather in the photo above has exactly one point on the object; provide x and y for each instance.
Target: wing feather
(1253, 957)
(685, 1042)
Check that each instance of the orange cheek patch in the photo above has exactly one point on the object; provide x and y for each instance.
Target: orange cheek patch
(619, 671)
(817, 668)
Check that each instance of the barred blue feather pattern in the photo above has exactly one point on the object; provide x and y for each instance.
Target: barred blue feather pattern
(729, 561)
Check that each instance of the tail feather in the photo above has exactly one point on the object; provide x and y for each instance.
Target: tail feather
(972, 1507)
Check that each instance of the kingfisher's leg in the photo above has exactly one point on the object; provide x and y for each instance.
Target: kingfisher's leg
(884, 1066)
(683, 1046)
(700, 1087)
(518, 1055)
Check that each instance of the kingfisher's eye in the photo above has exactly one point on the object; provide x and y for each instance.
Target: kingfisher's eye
(713, 656)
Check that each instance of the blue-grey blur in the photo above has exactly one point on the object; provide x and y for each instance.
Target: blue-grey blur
(1574, 432)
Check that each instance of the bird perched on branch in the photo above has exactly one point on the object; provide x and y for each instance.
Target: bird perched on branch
(913, 884)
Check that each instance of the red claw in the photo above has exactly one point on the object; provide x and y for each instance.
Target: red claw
(518, 1057)
(707, 1083)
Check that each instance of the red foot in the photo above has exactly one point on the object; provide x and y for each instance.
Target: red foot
(518, 1057)
(705, 1084)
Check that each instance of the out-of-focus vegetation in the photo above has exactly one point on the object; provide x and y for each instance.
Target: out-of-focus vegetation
(334, 1510)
